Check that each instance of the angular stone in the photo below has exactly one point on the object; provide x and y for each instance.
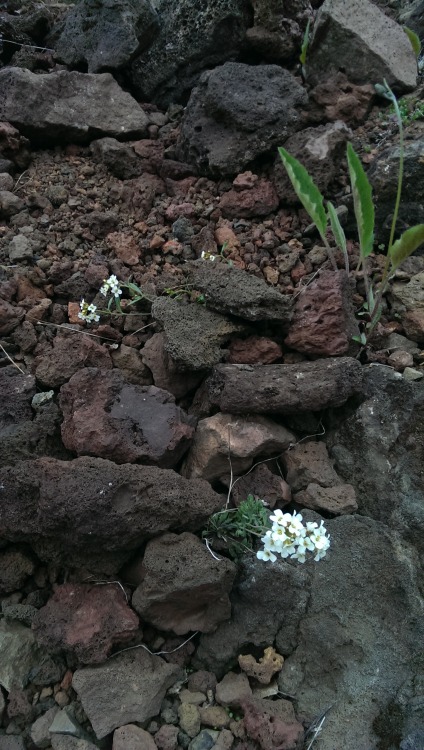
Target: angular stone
(189, 719)
(68, 107)
(183, 587)
(129, 361)
(283, 389)
(164, 370)
(324, 320)
(69, 354)
(85, 620)
(307, 463)
(359, 34)
(132, 737)
(91, 512)
(10, 316)
(260, 482)
(337, 500)
(13, 742)
(223, 437)
(260, 199)
(40, 734)
(263, 724)
(128, 423)
(128, 688)
(10, 204)
(194, 335)
(20, 653)
(15, 567)
(65, 742)
(232, 690)
(255, 350)
(221, 135)
(118, 157)
(230, 290)
(337, 98)
(106, 36)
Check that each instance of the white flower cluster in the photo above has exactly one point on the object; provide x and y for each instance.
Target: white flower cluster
(207, 256)
(88, 313)
(288, 537)
(111, 286)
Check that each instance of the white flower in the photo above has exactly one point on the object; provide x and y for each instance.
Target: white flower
(266, 554)
(280, 518)
(111, 285)
(88, 313)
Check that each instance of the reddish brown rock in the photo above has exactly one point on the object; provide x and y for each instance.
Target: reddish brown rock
(69, 354)
(260, 482)
(125, 247)
(272, 724)
(91, 512)
(129, 361)
(324, 321)
(232, 690)
(132, 737)
(85, 620)
(400, 359)
(10, 317)
(183, 587)
(164, 370)
(338, 500)
(308, 463)
(255, 350)
(14, 146)
(167, 737)
(339, 99)
(413, 324)
(106, 416)
(259, 199)
(241, 438)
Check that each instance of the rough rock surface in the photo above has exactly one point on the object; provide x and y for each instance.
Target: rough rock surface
(355, 38)
(165, 373)
(307, 463)
(222, 134)
(128, 688)
(193, 335)
(94, 511)
(324, 319)
(283, 389)
(223, 437)
(68, 107)
(20, 654)
(132, 737)
(105, 416)
(263, 724)
(337, 500)
(232, 291)
(183, 587)
(85, 620)
(258, 199)
(69, 354)
(108, 36)
(15, 568)
(202, 35)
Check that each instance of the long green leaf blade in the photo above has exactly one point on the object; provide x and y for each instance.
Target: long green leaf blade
(305, 43)
(306, 190)
(407, 243)
(338, 233)
(362, 201)
(414, 39)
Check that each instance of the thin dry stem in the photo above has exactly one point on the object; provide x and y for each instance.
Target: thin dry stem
(11, 360)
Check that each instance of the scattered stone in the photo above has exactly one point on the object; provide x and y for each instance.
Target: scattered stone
(64, 722)
(20, 653)
(165, 372)
(129, 361)
(68, 106)
(120, 159)
(242, 439)
(214, 716)
(400, 359)
(85, 620)
(68, 355)
(183, 587)
(193, 335)
(40, 734)
(337, 98)
(205, 740)
(260, 199)
(221, 135)
(337, 500)
(255, 350)
(64, 742)
(132, 737)
(188, 696)
(12, 743)
(21, 248)
(10, 317)
(307, 463)
(232, 690)
(263, 724)
(410, 373)
(265, 668)
(189, 719)
(283, 389)
(128, 688)
(92, 512)
(166, 738)
(359, 36)
(128, 423)
(229, 290)
(15, 567)
(10, 204)
(23, 613)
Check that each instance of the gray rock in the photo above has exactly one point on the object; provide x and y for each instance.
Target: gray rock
(64, 722)
(6, 181)
(12, 743)
(15, 567)
(39, 732)
(193, 36)
(128, 688)
(414, 741)
(68, 106)
(106, 35)
(65, 742)
(354, 650)
(183, 588)
(10, 204)
(281, 389)
(194, 335)
(280, 591)
(120, 159)
(222, 134)
(23, 613)
(379, 449)
(383, 175)
(229, 290)
(355, 38)
(128, 423)
(20, 653)
(278, 27)
(20, 248)
(95, 511)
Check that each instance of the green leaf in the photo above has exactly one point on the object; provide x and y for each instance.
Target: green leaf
(306, 190)
(414, 39)
(406, 245)
(361, 339)
(305, 43)
(337, 228)
(362, 201)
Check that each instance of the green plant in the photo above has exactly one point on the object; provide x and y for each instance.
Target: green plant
(111, 288)
(304, 47)
(410, 110)
(238, 527)
(397, 251)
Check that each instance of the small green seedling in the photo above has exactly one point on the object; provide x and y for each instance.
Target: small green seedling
(313, 202)
(304, 47)
(238, 528)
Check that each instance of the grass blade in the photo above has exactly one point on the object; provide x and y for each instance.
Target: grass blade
(338, 233)
(306, 190)
(414, 39)
(406, 245)
(362, 201)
